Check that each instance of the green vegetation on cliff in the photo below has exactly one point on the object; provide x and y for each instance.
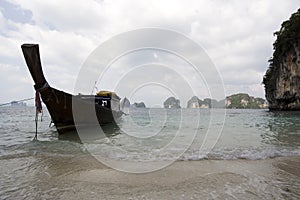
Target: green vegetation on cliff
(235, 101)
(287, 37)
(242, 100)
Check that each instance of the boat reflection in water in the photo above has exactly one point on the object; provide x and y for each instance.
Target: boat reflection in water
(91, 134)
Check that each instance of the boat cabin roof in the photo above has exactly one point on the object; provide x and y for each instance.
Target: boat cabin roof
(108, 94)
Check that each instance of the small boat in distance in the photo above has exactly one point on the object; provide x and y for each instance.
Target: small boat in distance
(66, 109)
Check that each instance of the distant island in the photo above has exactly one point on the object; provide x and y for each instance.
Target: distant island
(172, 103)
(195, 102)
(125, 103)
(235, 101)
(138, 105)
(282, 79)
(245, 101)
(18, 104)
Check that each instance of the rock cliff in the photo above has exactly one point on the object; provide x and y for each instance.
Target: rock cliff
(282, 79)
(171, 102)
(235, 101)
(243, 100)
(195, 102)
(138, 105)
(125, 103)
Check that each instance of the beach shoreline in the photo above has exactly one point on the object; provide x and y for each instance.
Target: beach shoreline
(83, 177)
(273, 178)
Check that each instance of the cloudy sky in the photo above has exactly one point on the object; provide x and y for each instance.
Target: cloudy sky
(236, 35)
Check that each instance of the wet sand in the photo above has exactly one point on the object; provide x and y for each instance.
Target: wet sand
(82, 177)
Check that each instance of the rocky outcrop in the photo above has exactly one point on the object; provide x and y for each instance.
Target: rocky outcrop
(195, 102)
(125, 103)
(238, 101)
(245, 101)
(282, 79)
(214, 103)
(138, 105)
(171, 102)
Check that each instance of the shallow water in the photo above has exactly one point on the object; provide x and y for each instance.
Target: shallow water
(147, 140)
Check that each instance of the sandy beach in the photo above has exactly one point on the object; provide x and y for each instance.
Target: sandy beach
(83, 177)
(208, 179)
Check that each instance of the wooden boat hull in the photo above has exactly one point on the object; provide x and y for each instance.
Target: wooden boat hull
(60, 106)
(66, 109)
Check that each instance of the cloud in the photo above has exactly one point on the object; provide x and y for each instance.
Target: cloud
(237, 35)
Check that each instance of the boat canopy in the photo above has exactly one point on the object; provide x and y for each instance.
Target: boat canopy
(104, 93)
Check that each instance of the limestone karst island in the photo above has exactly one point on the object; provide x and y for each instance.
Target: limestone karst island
(282, 79)
(235, 101)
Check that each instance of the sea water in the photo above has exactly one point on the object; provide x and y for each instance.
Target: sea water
(141, 136)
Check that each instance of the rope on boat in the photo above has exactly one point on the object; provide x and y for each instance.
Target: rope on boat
(38, 109)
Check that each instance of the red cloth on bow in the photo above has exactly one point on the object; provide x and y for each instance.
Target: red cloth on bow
(38, 102)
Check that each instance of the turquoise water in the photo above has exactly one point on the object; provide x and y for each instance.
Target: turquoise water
(159, 134)
(147, 140)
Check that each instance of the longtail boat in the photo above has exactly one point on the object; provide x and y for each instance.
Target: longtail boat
(66, 109)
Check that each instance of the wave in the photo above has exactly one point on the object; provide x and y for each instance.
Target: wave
(133, 153)
(249, 153)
